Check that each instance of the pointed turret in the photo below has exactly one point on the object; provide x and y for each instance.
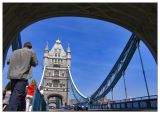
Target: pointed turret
(46, 52)
(46, 48)
(68, 49)
(68, 56)
(58, 41)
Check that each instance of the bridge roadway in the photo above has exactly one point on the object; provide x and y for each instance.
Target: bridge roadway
(133, 104)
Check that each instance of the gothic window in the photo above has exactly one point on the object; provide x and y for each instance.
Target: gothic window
(58, 54)
(50, 84)
(55, 83)
(56, 73)
(56, 61)
(61, 85)
(55, 54)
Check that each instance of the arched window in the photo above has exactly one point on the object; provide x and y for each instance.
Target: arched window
(55, 83)
(56, 61)
(58, 54)
(56, 73)
(59, 61)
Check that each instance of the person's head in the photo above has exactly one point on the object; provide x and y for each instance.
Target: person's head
(28, 45)
(33, 82)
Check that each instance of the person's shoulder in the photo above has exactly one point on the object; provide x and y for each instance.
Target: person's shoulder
(28, 50)
(16, 51)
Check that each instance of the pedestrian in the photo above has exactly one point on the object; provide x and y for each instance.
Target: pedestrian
(20, 68)
(30, 93)
(41, 90)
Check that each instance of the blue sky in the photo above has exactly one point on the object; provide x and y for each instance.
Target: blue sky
(95, 47)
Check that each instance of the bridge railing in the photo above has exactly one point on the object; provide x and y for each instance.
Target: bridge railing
(139, 103)
(38, 103)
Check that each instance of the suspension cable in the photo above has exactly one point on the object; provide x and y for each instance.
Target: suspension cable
(125, 85)
(143, 70)
(40, 84)
(112, 92)
(74, 84)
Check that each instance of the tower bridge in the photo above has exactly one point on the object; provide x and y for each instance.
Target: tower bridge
(57, 62)
(55, 75)
(57, 82)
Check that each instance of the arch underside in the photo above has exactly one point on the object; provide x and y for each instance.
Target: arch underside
(139, 18)
(56, 100)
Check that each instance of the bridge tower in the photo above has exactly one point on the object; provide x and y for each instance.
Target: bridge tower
(56, 78)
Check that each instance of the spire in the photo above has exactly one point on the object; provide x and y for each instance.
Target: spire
(46, 48)
(58, 41)
(68, 49)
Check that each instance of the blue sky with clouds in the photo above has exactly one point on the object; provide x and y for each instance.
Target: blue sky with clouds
(95, 47)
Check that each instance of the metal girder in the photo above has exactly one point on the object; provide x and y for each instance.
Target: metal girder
(118, 69)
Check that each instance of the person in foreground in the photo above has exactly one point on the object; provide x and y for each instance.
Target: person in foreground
(20, 68)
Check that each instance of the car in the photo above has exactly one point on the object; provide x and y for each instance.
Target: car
(80, 107)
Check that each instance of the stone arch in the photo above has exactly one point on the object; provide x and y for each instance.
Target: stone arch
(139, 18)
(57, 101)
(57, 95)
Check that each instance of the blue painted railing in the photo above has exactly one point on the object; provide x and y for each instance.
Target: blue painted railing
(38, 103)
(139, 103)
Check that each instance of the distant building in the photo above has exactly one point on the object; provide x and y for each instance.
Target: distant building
(72, 102)
(56, 78)
(104, 100)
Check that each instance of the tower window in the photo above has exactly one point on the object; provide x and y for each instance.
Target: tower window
(55, 83)
(56, 73)
(50, 84)
(59, 61)
(55, 60)
(61, 85)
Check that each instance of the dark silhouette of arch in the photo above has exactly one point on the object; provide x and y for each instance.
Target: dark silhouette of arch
(139, 18)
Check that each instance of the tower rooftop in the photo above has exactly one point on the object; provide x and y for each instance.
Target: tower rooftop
(58, 46)
(58, 41)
